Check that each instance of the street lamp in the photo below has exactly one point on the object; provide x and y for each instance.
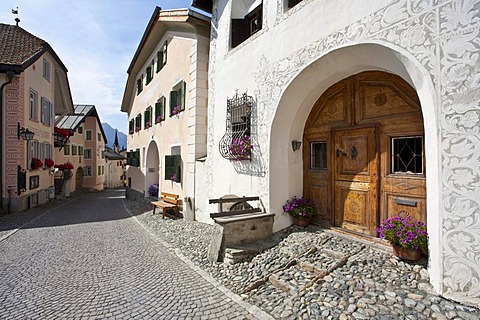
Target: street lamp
(26, 135)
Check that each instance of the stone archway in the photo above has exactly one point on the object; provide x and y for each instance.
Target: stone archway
(152, 166)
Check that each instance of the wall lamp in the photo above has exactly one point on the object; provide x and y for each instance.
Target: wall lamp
(26, 134)
(296, 145)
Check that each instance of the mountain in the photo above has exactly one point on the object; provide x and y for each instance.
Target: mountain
(110, 133)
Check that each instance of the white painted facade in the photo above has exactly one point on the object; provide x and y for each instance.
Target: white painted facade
(302, 51)
(186, 36)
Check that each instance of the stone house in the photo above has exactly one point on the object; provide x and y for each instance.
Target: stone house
(34, 88)
(370, 108)
(166, 101)
(84, 149)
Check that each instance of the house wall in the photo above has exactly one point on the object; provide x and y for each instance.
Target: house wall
(77, 161)
(187, 60)
(18, 111)
(114, 171)
(297, 55)
(97, 179)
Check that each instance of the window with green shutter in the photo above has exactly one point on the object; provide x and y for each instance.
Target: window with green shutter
(80, 130)
(149, 75)
(162, 57)
(99, 136)
(139, 85)
(138, 123)
(88, 134)
(66, 150)
(177, 99)
(160, 110)
(148, 118)
(131, 126)
(133, 158)
(173, 168)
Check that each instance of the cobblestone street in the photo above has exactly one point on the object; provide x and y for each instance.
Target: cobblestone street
(89, 259)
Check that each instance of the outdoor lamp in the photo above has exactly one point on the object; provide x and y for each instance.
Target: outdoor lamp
(26, 134)
(296, 145)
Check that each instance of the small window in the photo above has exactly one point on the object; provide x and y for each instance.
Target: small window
(74, 149)
(103, 154)
(148, 118)
(407, 155)
(173, 168)
(80, 151)
(177, 99)
(47, 66)
(318, 155)
(46, 112)
(88, 171)
(162, 57)
(246, 24)
(33, 105)
(149, 75)
(99, 136)
(140, 85)
(133, 158)
(66, 150)
(103, 170)
(131, 126)
(88, 134)
(80, 130)
(160, 110)
(138, 123)
(88, 153)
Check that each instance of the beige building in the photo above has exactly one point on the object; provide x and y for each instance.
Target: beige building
(85, 150)
(166, 101)
(115, 166)
(34, 88)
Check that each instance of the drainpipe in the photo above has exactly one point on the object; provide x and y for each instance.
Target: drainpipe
(10, 76)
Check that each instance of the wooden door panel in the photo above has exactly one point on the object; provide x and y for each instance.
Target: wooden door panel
(355, 161)
(320, 194)
(403, 205)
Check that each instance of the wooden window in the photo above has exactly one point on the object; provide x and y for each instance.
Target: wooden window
(160, 110)
(140, 85)
(66, 150)
(162, 57)
(88, 153)
(177, 99)
(407, 155)
(99, 170)
(80, 151)
(138, 123)
(88, 170)
(173, 168)
(74, 149)
(47, 67)
(33, 105)
(244, 28)
(133, 158)
(88, 134)
(318, 155)
(147, 118)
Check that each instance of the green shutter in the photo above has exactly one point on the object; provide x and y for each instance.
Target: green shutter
(183, 89)
(163, 100)
(149, 74)
(165, 53)
(159, 60)
(178, 168)
(173, 101)
(169, 167)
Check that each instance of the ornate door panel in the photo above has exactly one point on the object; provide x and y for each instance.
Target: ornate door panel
(356, 180)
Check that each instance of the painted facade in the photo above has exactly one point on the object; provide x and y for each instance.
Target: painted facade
(298, 53)
(166, 101)
(85, 149)
(115, 167)
(39, 90)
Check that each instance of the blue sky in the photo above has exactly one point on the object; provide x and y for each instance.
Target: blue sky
(95, 39)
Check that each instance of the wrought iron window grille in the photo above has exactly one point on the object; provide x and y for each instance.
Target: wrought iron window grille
(236, 144)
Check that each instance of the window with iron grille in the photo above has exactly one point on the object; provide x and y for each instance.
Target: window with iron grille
(407, 155)
(318, 155)
(236, 144)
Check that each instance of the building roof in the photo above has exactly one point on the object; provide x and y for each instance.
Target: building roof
(19, 48)
(112, 154)
(205, 5)
(71, 122)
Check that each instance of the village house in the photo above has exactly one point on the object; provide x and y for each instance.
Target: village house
(166, 101)
(369, 108)
(84, 150)
(33, 89)
(115, 165)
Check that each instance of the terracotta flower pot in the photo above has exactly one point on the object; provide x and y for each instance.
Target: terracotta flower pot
(406, 254)
(301, 222)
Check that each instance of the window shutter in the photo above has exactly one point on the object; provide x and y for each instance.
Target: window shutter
(239, 31)
(169, 167)
(163, 100)
(159, 60)
(149, 74)
(178, 167)
(183, 89)
(173, 101)
(139, 86)
(165, 47)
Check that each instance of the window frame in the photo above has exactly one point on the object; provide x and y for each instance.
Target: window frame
(87, 134)
(160, 109)
(392, 156)
(178, 91)
(87, 153)
(33, 105)
(87, 170)
(47, 69)
(147, 117)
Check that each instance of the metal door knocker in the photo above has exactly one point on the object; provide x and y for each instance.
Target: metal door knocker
(354, 153)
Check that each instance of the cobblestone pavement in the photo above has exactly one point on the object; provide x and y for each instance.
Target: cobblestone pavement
(87, 258)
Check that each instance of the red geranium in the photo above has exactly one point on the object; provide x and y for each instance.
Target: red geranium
(64, 166)
(49, 162)
(36, 163)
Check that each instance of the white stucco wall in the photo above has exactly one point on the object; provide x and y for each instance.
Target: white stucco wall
(301, 52)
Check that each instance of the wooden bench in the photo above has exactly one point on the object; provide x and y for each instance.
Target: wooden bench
(168, 201)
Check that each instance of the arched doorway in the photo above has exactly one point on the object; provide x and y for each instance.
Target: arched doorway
(152, 163)
(79, 178)
(364, 153)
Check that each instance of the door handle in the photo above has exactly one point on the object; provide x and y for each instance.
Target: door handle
(341, 152)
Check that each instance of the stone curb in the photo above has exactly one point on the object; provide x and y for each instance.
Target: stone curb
(252, 309)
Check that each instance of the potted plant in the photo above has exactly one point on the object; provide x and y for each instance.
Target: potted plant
(408, 237)
(241, 147)
(36, 163)
(64, 166)
(174, 177)
(153, 190)
(158, 119)
(301, 209)
(49, 162)
(176, 110)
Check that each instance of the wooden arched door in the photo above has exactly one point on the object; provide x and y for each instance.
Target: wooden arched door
(363, 153)
(79, 178)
